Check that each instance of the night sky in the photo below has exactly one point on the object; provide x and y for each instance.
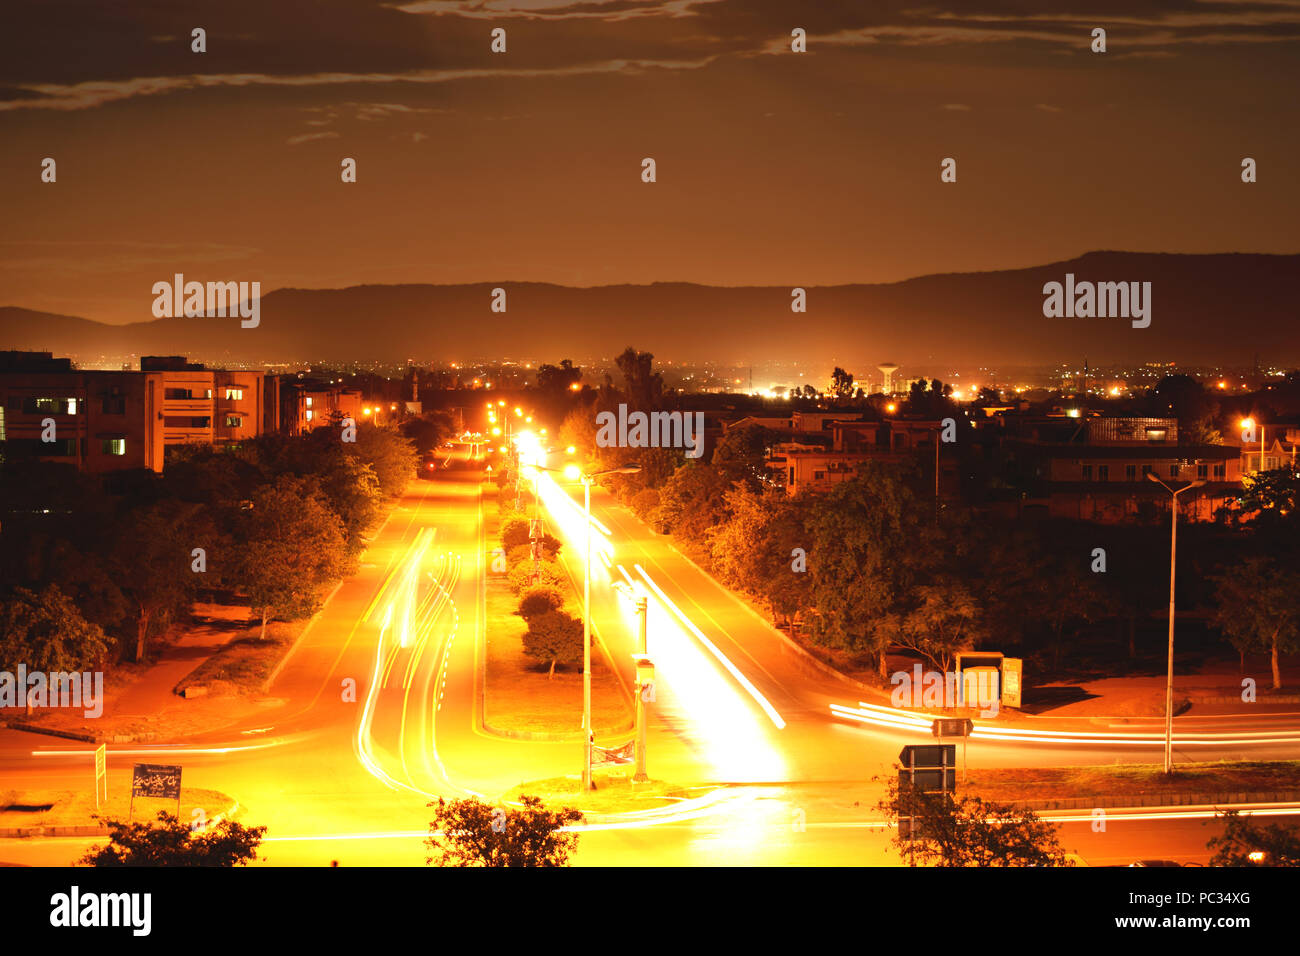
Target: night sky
(773, 167)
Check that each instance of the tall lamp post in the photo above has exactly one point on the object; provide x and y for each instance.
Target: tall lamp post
(1173, 564)
(587, 479)
(575, 473)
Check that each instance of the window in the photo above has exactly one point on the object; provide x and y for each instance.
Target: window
(792, 476)
(58, 406)
(176, 393)
(1103, 472)
(1087, 472)
(234, 421)
(1147, 470)
(234, 394)
(60, 447)
(113, 446)
(308, 401)
(1173, 471)
(113, 405)
(819, 476)
(1130, 472)
(309, 414)
(1202, 471)
(1220, 470)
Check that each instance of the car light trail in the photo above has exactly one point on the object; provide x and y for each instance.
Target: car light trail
(712, 649)
(889, 717)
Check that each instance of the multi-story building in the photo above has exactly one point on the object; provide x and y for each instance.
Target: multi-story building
(99, 421)
(212, 406)
(113, 420)
(307, 404)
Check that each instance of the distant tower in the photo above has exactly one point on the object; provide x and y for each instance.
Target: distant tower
(888, 369)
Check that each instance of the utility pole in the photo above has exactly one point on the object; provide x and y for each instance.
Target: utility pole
(642, 611)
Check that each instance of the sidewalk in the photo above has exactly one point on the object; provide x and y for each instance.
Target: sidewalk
(140, 701)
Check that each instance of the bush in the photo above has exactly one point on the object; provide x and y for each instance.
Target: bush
(539, 600)
(514, 532)
(521, 576)
(554, 637)
(645, 504)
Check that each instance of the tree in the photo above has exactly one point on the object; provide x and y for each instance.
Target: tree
(868, 538)
(841, 384)
(753, 549)
(291, 547)
(1258, 607)
(173, 843)
(944, 620)
(642, 386)
(558, 379)
(1245, 843)
(46, 632)
(934, 402)
(741, 455)
(549, 573)
(539, 600)
(515, 531)
(470, 832)
(391, 456)
(554, 636)
(691, 502)
(955, 831)
(152, 563)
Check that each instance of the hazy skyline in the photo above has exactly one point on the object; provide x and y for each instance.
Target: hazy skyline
(773, 167)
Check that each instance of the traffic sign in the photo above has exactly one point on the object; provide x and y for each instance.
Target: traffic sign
(952, 727)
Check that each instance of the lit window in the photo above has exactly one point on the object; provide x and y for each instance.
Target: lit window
(234, 394)
(72, 405)
(309, 414)
(308, 400)
(113, 446)
(234, 421)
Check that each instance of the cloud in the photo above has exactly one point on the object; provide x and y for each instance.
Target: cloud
(308, 137)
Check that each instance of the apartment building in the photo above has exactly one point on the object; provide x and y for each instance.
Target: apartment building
(100, 421)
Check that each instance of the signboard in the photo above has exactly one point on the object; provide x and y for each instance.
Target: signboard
(101, 772)
(1012, 671)
(930, 768)
(602, 756)
(952, 727)
(156, 780)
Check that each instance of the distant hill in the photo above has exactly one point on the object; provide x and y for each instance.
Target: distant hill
(1206, 309)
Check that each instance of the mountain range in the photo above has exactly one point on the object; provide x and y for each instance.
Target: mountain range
(1217, 309)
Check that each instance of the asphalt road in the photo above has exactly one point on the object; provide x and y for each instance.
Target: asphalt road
(378, 711)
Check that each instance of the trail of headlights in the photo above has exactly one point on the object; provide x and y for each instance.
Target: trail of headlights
(712, 649)
(881, 716)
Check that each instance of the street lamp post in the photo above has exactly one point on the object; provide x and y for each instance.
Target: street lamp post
(573, 471)
(1173, 564)
(588, 735)
(642, 612)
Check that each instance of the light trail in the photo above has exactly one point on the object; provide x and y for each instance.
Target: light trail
(892, 718)
(731, 668)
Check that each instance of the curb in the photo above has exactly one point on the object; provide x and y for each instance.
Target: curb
(275, 671)
(1236, 699)
(86, 829)
(1160, 800)
(567, 737)
(74, 735)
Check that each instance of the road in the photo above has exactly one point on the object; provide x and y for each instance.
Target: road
(379, 710)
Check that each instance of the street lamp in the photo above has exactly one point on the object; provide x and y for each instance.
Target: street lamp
(1173, 564)
(587, 479)
(575, 473)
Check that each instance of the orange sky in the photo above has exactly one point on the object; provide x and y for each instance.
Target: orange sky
(773, 167)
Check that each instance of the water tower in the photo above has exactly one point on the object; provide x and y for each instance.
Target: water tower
(888, 369)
